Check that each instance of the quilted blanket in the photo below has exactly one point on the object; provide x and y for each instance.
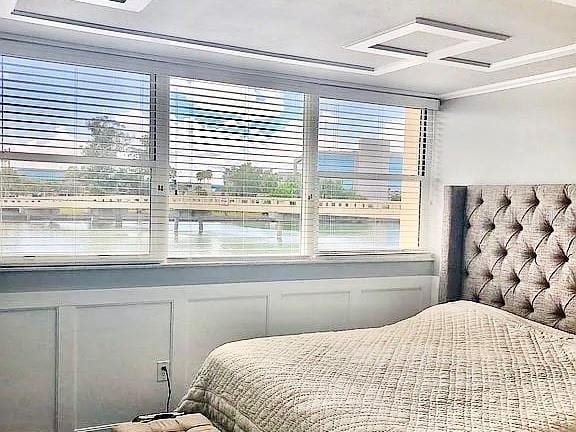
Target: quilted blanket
(460, 366)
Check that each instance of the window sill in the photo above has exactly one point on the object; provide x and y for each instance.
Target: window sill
(321, 259)
(396, 256)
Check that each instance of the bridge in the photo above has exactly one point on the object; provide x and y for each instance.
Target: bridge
(119, 208)
(356, 208)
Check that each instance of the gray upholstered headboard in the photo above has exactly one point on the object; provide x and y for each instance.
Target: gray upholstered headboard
(513, 247)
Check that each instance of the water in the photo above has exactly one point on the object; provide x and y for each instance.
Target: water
(218, 239)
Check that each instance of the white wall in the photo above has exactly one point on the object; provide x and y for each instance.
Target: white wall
(522, 136)
(82, 358)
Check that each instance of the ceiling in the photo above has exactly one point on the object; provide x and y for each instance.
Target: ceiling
(321, 29)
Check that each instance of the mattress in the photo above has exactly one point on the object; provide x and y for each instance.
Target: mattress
(459, 366)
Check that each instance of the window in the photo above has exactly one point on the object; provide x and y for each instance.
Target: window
(100, 165)
(369, 166)
(235, 177)
(75, 162)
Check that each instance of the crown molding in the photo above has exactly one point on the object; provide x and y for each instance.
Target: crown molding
(512, 84)
(539, 56)
(566, 2)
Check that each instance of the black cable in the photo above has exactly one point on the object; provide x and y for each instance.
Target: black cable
(165, 369)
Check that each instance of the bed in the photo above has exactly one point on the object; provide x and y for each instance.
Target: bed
(499, 354)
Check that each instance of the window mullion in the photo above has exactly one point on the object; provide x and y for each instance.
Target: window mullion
(310, 192)
(160, 139)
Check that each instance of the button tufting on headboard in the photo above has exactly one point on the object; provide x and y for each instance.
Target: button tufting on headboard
(517, 249)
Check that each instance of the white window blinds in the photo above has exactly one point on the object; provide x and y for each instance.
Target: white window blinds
(235, 170)
(100, 166)
(370, 168)
(75, 161)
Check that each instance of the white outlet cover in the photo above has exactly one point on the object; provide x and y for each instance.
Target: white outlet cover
(129, 5)
(160, 376)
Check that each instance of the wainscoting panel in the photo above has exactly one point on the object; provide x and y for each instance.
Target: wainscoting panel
(84, 359)
(375, 307)
(28, 370)
(117, 349)
(312, 311)
(213, 322)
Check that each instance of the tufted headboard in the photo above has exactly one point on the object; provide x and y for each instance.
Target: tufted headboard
(513, 247)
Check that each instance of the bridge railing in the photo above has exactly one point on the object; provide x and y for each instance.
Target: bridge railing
(216, 202)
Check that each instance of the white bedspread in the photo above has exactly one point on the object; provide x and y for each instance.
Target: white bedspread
(454, 367)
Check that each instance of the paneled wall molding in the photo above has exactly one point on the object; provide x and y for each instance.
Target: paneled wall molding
(107, 342)
(66, 331)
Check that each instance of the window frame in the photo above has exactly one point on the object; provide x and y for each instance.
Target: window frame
(302, 252)
(418, 177)
(149, 164)
(160, 72)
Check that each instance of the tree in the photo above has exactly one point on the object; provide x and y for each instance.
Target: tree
(204, 175)
(109, 140)
(334, 189)
(199, 190)
(14, 183)
(288, 188)
(248, 180)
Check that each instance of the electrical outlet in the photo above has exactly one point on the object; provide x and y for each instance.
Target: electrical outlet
(160, 374)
